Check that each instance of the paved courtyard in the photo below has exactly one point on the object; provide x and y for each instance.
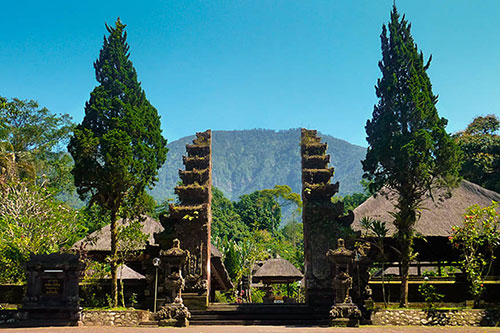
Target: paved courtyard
(256, 329)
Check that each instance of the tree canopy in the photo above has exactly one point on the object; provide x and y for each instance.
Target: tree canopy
(259, 210)
(32, 141)
(118, 147)
(409, 149)
(480, 144)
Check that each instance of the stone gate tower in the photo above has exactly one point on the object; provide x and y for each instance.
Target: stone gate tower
(322, 219)
(190, 220)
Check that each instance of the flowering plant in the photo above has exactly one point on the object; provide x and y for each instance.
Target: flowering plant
(477, 239)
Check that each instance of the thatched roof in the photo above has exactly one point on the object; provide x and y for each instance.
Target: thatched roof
(127, 273)
(277, 270)
(437, 217)
(100, 240)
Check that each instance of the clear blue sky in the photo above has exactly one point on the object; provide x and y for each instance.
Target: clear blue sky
(252, 64)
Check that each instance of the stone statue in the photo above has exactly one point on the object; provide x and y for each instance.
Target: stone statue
(174, 258)
(342, 284)
(343, 312)
(174, 312)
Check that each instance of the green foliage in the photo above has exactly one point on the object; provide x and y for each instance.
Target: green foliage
(429, 293)
(481, 148)
(233, 260)
(92, 218)
(409, 150)
(118, 147)
(375, 232)
(92, 293)
(243, 245)
(259, 210)
(477, 238)
(130, 237)
(257, 295)
(31, 144)
(226, 223)
(32, 128)
(32, 221)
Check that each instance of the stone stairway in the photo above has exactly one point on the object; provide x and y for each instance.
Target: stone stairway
(261, 314)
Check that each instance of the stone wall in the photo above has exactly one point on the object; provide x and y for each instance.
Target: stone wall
(466, 317)
(114, 318)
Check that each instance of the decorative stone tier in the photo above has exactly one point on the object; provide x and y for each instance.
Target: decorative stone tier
(314, 149)
(198, 150)
(321, 191)
(188, 213)
(466, 317)
(196, 162)
(317, 176)
(316, 161)
(194, 176)
(192, 194)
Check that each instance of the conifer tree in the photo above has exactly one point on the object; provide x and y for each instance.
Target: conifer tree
(409, 150)
(118, 147)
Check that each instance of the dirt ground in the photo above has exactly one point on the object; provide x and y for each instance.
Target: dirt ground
(248, 329)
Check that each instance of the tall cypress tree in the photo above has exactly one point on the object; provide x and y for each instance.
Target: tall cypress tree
(409, 150)
(118, 148)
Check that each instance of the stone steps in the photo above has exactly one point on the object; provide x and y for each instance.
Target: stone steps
(261, 314)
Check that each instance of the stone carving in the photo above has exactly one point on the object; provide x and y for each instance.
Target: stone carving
(174, 312)
(52, 287)
(342, 284)
(174, 258)
(323, 220)
(344, 312)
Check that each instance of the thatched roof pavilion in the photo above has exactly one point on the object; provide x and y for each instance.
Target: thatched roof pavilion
(437, 217)
(277, 270)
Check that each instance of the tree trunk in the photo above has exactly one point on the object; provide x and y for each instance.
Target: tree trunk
(405, 237)
(114, 257)
(405, 265)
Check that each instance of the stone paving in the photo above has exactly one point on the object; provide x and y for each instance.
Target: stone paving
(254, 329)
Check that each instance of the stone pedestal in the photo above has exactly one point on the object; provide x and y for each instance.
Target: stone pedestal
(344, 315)
(175, 314)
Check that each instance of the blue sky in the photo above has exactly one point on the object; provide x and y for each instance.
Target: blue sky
(252, 64)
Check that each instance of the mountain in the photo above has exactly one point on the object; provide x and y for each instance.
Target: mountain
(249, 160)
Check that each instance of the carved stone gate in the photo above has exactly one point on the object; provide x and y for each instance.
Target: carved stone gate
(322, 219)
(190, 220)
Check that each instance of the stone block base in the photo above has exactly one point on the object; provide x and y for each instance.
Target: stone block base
(344, 322)
(174, 323)
(195, 301)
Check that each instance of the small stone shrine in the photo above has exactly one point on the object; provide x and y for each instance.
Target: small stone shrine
(190, 220)
(173, 312)
(343, 312)
(322, 219)
(52, 288)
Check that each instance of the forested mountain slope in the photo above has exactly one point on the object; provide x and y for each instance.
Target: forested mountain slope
(249, 160)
